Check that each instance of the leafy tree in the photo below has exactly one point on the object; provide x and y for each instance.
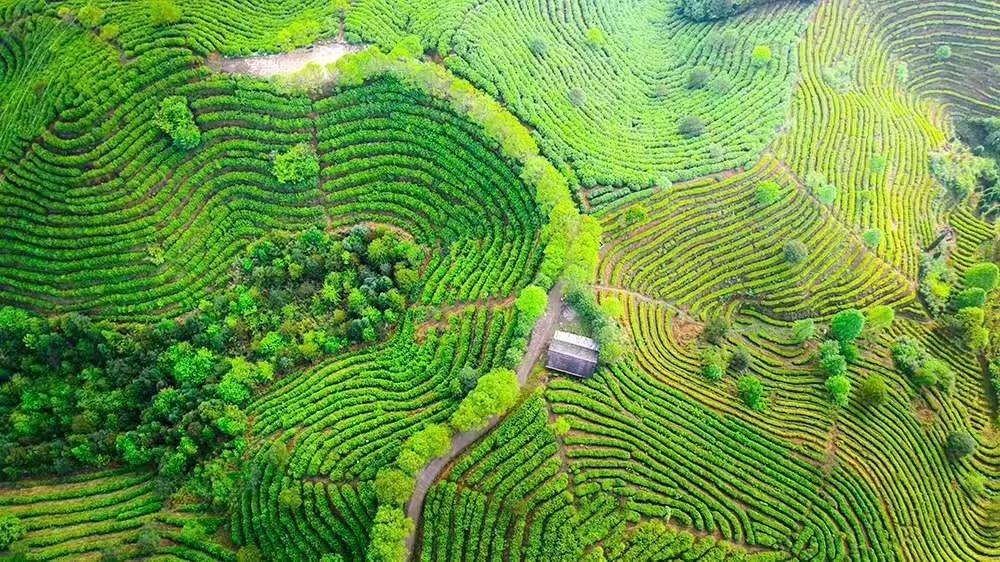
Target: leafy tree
(698, 78)
(162, 12)
(691, 126)
(635, 215)
(597, 38)
(960, 444)
(716, 329)
(972, 297)
(393, 486)
(299, 33)
(495, 393)
(90, 16)
(721, 84)
(531, 303)
(299, 165)
(768, 192)
(847, 325)
(761, 55)
(942, 53)
(176, 119)
(752, 392)
(878, 318)
(873, 391)
(713, 364)
(388, 535)
(577, 97)
(465, 381)
(877, 164)
(839, 387)
(11, 530)
(872, 237)
(538, 47)
(982, 275)
(741, 360)
(825, 191)
(795, 252)
(803, 330)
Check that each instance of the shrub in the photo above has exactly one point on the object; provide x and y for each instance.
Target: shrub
(872, 238)
(768, 192)
(982, 275)
(298, 166)
(177, 121)
(163, 12)
(761, 55)
(698, 78)
(873, 391)
(942, 53)
(11, 530)
(839, 387)
(691, 126)
(960, 444)
(795, 252)
(752, 392)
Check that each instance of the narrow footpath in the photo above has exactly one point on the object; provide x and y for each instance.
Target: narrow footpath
(540, 337)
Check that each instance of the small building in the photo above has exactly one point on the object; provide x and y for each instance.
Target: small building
(572, 354)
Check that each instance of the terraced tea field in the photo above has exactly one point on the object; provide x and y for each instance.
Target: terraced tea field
(305, 314)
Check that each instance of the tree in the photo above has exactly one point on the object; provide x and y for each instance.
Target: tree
(833, 364)
(299, 165)
(803, 330)
(960, 444)
(877, 164)
(872, 237)
(635, 215)
(716, 329)
(942, 53)
(761, 55)
(90, 16)
(388, 535)
(495, 393)
(879, 318)
(464, 382)
(538, 47)
(768, 192)
(752, 392)
(596, 37)
(840, 389)
(698, 78)
(691, 126)
(795, 252)
(713, 364)
(873, 391)
(974, 297)
(721, 84)
(531, 303)
(11, 530)
(847, 324)
(741, 360)
(577, 97)
(177, 121)
(163, 12)
(393, 486)
(983, 275)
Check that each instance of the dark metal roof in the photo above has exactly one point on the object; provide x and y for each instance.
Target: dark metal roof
(572, 354)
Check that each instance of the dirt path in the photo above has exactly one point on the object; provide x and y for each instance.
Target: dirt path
(266, 66)
(540, 336)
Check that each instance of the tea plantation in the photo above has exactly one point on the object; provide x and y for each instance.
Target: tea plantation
(279, 279)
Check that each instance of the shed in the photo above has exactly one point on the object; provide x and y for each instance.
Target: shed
(572, 354)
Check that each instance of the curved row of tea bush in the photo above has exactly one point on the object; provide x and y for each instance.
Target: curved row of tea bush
(605, 85)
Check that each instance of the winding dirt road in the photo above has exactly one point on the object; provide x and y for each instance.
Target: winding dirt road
(540, 337)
